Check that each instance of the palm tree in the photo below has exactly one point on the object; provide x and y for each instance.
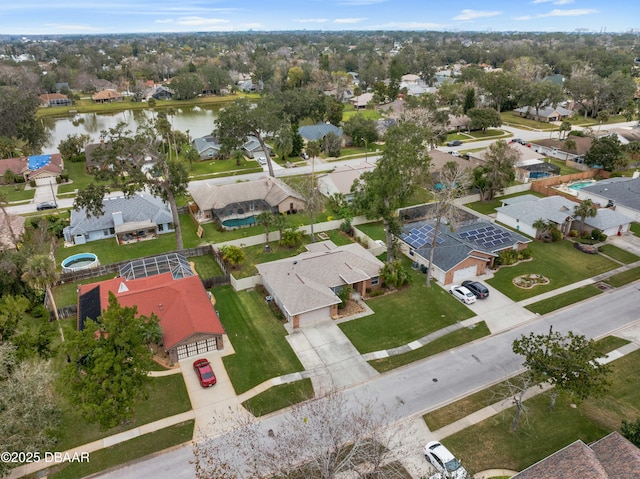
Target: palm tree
(266, 219)
(313, 150)
(569, 145)
(40, 272)
(541, 227)
(585, 209)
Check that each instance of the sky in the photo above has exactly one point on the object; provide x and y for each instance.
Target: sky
(34, 17)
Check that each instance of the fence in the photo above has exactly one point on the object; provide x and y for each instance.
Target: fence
(546, 186)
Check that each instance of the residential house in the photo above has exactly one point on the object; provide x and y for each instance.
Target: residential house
(208, 147)
(11, 229)
(621, 194)
(340, 180)
(555, 148)
(459, 122)
(189, 322)
(521, 212)
(414, 85)
(251, 147)
(612, 457)
(306, 287)
(362, 101)
(463, 253)
(162, 93)
(54, 99)
(318, 131)
(107, 96)
(140, 217)
(237, 204)
(546, 113)
(440, 158)
(34, 167)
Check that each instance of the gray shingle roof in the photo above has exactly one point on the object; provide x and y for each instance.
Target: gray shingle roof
(207, 143)
(606, 219)
(318, 131)
(303, 283)
(140, 207)
(554, 208)
(622, 191)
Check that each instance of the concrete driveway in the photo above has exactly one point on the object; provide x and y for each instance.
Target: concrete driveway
(214, 403)
(324, 349)
(498, 311)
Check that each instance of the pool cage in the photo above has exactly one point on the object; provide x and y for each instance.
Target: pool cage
(175, 263)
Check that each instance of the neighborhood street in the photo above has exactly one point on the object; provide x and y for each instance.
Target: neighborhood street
(425, 385)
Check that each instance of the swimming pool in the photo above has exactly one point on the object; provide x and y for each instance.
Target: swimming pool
(80, 261)
(237, 222)
(578, 185)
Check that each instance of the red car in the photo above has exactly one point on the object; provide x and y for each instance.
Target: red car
(204, 372)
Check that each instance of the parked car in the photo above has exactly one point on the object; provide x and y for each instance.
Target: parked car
(49, 205)
(261, 160)
(205, 374)
(478, 289)
(518, 140)
(445, 463)
(455, 153)
(462, 293)
(455, 143)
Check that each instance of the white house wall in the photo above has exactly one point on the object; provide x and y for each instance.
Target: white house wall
(519, 226)
(630, 213)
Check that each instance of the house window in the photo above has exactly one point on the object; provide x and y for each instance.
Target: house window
(105, 231)
(112, 231)
(375, 280)
(161, 227)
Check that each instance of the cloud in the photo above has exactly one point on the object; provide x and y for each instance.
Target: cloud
(168, 20)
(200, 21)
(311, 20)
(411, 25)
(560, 13)
(349, 20)
(473, 14)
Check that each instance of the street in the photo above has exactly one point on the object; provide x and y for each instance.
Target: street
(428, 384)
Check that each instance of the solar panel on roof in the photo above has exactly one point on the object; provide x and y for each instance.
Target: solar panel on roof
(419, 237)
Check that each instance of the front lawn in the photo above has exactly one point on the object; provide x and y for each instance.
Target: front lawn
(624, 278)
(405, 315)
(560, 262)
(618, 254)
(167, 397)
(78, 176)
(513, 119)
(258, 338)
(17, 192)
(635, 228)
(199, 169)
(279, 397)
(548, 431)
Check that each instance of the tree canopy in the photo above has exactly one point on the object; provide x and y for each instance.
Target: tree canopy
(110, 360)
(606, 152)
(498, 170)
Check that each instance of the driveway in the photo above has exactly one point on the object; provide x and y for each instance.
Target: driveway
(627, 241)
(323, 348)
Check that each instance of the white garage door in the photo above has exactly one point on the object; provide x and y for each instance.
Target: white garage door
(199, 347)
(464, 273)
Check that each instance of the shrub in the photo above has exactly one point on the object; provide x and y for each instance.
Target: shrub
(507, 257)
(556, 235)
(394, 274)
(291, 237)
(573, 233)
(32, 183)
(525, 253)
(344, 294)
(585, 235)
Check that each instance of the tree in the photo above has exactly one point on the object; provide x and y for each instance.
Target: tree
(266, 219)
(403, 167)
(565, 127)
(40, 273)
(567, 362)
(186, 86)
(313, 149)
(513, 390)
(469, 100)
(498, 170)
(361, 130)
(216, 78)
(324, 438)
(240, 119)
(234, 255)
(28, 412)
(453, 182)
(542, 227)
(12, 310)
(569, 144)
(122, 158)
(585, 209)
(606, 152)
(283, 142)
(631, 431)
(18, 120)
(73, 145)
(110, 362)
(4, 201)
(500, 85)
(483, 118)
(331, 144)
(333, 111)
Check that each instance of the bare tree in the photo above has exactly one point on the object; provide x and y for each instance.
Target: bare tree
(321, 438)
(513, 390)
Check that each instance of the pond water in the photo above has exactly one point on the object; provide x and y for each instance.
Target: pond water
(197, 120)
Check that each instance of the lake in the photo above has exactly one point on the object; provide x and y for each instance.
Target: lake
(198, 120)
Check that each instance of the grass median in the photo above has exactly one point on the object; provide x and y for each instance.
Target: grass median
(279, 397)
(564, 299)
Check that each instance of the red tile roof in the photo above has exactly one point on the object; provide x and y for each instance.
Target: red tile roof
(182, 304)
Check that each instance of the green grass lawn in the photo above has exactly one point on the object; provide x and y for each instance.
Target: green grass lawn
(480, 135)
(511, 118)
(375, 230)
(635, 228)
(279, 397)
(560, 262)
(206, 266)
(446, 342)
(564, 299)
(78, 176)
(619, 254)
(350, 111)
(167, 397)
(221, 167)
(258, 338)
(256, 255)
(67, 294)
(489, 207)
(564, 169)
(127, 451)
(548, 431)
(624, 278)
(17, 192)
(404, 316)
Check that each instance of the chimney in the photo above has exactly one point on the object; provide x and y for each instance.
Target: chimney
(117, 218)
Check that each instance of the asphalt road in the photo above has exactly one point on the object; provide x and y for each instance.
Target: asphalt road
(427, 384)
